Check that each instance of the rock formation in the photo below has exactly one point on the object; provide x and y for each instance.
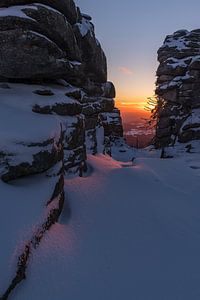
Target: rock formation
(52, 42)
(56, 106)
(178, 89)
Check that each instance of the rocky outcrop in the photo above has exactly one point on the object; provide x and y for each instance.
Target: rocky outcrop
(53, 42)
(56, 106)
(66, 7)
(49, 39)
(178, 92)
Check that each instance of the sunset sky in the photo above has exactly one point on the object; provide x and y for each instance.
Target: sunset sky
(131, 32)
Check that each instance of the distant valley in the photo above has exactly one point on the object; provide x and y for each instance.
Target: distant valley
(135, 124)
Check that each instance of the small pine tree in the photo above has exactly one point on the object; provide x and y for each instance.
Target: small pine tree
(154, 105)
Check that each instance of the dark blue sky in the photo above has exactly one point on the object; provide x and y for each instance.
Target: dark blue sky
(131, 32)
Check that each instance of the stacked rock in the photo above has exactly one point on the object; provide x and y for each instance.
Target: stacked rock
(49, 39)
(178, 89)
(51, 47)
(55, 107)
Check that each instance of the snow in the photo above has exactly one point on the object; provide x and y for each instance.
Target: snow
(179, 44)
(195, 58)
(16, 11)
(178, 80)
(22, 204)
(85, 26)
(49, 8)
(185, 77)
(194, 118)
(100, 139)
(86, 16)
(133, 234)
(134, 231)
(111, 117)
(16, 110)
(177, 62)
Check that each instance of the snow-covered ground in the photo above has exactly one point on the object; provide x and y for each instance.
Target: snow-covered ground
(23, 206)
(134, 233)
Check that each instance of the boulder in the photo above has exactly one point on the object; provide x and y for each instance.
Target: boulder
(101, 105)
(42, 161)
(109, 90)
(92, 53)
(66, 7)
(44, 92)
(178, 89)
(52, 40)
(62, 109)
(29, 55)
(51, 47)
(76, 94)
(112, 124)
(45, 21)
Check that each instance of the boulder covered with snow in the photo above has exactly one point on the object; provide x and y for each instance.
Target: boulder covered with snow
(56, 107)
(177, 90)
(66, 7)
(49, 39)
(54, 42)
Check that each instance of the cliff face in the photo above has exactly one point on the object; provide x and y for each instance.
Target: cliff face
(65, 101)
(178, 89)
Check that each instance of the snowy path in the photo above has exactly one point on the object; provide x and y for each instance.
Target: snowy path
(134, 234)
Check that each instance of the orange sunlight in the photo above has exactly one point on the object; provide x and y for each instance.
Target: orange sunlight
(131, 105)
(133, 109)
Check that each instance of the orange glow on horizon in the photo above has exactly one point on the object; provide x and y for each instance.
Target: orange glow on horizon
(137, 105)
(131, 105)
(132, 97)
(132, 111)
